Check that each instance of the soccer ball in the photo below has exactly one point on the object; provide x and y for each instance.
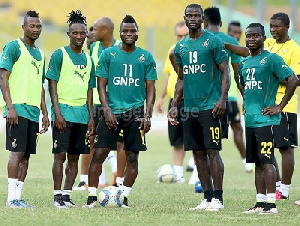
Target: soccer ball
(111, 197)
(167, 174)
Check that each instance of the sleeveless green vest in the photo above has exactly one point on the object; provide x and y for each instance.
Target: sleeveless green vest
(73, 82)
(25, 80)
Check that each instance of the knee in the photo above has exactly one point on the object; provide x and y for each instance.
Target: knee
(212, 154)
(60, 158)
(132, 158)
(99, 155)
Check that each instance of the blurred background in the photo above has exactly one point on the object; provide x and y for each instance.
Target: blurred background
(156, 20)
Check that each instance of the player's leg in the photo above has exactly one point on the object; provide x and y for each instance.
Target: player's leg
(121, 160)
(266, 157)
(113, 165)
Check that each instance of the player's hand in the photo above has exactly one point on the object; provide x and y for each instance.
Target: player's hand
(172, 115)
(60, 123)
(91, 127)
(110, 119)
(45, 124)
(273, 110)
(159, 104)
(219, 108)
(12, 117)
(145, 124)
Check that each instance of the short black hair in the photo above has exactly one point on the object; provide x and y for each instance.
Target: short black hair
(193, 5)
(257, 25)
(91, 28)
(234, 23)
(213, 15)
(76, 17)
(129, 19)
(30, 13)
(283, 17)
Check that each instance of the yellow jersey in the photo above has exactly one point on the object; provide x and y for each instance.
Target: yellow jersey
(290, 52)
(168, 69)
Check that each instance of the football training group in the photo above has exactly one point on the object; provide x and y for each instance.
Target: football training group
(104, 101)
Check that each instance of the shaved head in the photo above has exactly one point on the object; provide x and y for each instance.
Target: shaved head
(105, 22)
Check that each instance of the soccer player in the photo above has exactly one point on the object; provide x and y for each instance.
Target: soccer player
(212, 22)
(260, 74)
(129, 73)
(285, 135)
(103, 29)
(175, 132)
(203, 79)
(22, 73)
(71, 76)
(235, 30)
(90, 38)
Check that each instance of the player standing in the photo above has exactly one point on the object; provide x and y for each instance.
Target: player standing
(22, 73)
(71, 80)
(129, 73)
(204, 81)
(260, 74)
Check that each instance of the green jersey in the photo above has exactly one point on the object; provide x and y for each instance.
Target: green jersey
(72, 112)
(260, 76)
(233, 58)
(126, 74)
(11, 54)
(199, 59)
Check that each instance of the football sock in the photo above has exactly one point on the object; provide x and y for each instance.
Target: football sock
(112, 161)
(284, 189)
(261, 198)
(102, 176)
(120, 181)
(12, 185)
(218, 194)
(271, 198)
(278, 184)
(208, 195)
(92, 191)
(57, 192)
(191, 162)
(126, 190)
(84, 178)
(66, 192)
(179, 171)
(19, 188)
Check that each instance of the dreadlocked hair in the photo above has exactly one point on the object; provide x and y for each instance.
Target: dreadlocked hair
(76, 17)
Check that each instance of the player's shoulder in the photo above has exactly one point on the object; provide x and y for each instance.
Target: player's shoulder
(291, 44)
(229, 39)
(117, 42)
(269, 42)
(14, 44)
(143, 53)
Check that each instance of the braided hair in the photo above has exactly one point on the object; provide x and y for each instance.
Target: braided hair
(76, 17)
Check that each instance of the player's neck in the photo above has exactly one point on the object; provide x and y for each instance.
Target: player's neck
(257, 52)
(127, 48)
(28, 41)
(213, 28)
(283, 39)
(194, 34)
(108, 42)
(75, 49)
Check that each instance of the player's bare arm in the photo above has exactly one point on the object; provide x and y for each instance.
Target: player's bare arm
(220, 106)
(292, 82)
(172, 114)
(12, 117)
(173, 61)
(235, 67)
(89, 103)
(239, 50)
(110, 118)
(45, 119)
(60, 122)
(150, 99)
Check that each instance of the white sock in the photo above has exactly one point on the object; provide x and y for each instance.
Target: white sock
(66, 192)
(278, 184)
(102, 176)
(92, 191)
(57, 192)
(119, 181)
(194, 178)
(249, 167)
(284, 189)
(179, 171)
(19, 189)
(112, 161)
(11, 187)
(126, 190)
(191, 162)
(261, 198)
(84, 178)
(244, 161)
(271, 197)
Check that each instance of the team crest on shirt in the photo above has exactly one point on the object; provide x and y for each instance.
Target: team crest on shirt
(263, 61)
(205, 44)
(14, 143)
(142, 58)
(80, 75)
